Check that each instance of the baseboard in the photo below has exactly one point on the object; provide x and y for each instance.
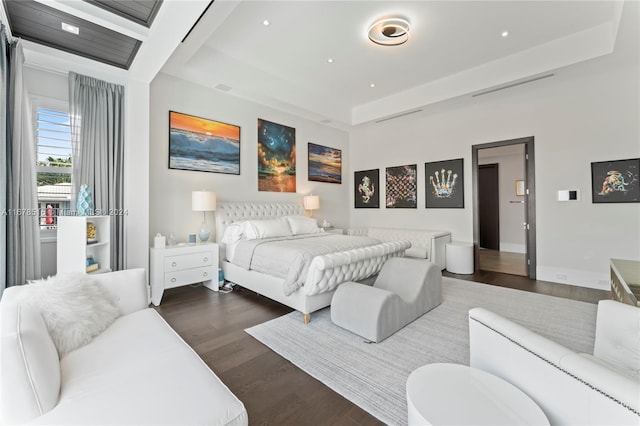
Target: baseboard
(513, 248)
(573, 277)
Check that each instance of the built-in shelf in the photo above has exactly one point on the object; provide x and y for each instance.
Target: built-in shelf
(73, 247)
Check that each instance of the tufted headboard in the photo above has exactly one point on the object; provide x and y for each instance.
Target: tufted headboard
(229, 212)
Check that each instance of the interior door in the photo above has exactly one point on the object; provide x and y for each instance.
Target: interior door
(489, 206)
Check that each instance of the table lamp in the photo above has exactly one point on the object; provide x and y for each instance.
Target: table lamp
(203, 201)
(311, 202)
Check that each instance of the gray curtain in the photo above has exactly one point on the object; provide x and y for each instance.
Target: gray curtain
(97, 122)
(4, 99)
(23, 229)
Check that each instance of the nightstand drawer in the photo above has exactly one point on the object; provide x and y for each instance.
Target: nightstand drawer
(190, 276)
(188, 261)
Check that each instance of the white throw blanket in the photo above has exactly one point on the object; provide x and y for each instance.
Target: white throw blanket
(289, 257)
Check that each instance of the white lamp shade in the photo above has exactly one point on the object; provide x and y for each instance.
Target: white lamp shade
(311, 202)
(203, 201)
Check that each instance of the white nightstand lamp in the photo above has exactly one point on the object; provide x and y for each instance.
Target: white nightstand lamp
(203, 201)
(311, 203)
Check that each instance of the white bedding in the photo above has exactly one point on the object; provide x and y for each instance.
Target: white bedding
(289, 257)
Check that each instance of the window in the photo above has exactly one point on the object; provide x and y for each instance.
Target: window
(53, 165)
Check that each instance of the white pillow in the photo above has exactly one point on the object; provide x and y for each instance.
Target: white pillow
(267, 228)
(74, 306)
(303, 225)
(233, 233)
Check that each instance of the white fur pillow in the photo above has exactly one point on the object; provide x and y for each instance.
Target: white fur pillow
(303, 225)
(74, 306)
(267, 228)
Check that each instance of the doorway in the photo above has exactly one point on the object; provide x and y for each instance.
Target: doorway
(504, 211)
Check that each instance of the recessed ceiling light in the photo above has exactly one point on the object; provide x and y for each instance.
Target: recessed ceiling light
(330, 60)
(372, 85)
(389, 31)
(266, 23)
(70, 28)
(505, 33)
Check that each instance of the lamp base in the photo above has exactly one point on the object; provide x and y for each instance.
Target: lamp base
(204, 232)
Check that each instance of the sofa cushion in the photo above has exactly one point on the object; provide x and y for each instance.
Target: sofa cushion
(139, 371)
(29, 363)
(74, 306)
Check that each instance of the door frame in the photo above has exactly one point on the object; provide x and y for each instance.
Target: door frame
(530, 199)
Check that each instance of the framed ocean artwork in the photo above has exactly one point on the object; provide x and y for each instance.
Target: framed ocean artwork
(276, 157)
(203, 145)
(325, 163)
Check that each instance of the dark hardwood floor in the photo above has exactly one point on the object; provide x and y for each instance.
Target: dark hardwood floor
(274, 391)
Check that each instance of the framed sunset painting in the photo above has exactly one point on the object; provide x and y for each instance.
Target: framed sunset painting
(325, 164)
(203, 145)
(276, 157)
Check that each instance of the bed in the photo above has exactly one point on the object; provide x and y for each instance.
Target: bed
(310, 287)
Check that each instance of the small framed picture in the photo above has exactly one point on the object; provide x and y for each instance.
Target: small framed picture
(325, 164)
(445, 184)
(615, 181)
(367, 189)
(519, 188)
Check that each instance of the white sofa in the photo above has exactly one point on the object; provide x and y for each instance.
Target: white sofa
(425, 244)
(138, 371)
(571, 388)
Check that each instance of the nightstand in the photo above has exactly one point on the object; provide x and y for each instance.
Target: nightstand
(175, 266)
(333, 230)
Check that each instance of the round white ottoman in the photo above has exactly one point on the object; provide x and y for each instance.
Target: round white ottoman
(459, 258)
(455, 394)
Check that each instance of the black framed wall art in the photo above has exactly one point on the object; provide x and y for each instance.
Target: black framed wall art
(366, 185)
(445, 184)
(402, 187)
(615, 181)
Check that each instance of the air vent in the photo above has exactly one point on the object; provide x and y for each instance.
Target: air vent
(397, 116)
(508, 86)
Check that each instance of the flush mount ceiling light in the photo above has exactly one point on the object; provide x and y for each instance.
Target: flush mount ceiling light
(389, 31)
(70, 28)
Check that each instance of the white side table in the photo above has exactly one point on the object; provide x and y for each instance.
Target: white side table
(459, 257)
(457, 394)
(175, 266)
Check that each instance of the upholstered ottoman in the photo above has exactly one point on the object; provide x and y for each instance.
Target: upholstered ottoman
(404, 290)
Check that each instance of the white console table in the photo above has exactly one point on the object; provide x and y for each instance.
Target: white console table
(175, 266)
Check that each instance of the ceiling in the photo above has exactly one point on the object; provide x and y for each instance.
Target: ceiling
(455, 48)
(41, 22)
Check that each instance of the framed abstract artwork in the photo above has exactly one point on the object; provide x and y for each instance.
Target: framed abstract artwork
(203, 145)
(402, 187)
(616, 181)
(366, 185)
(325, 164)
(276, 157)
(445, 184)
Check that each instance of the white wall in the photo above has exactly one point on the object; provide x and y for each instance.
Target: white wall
(587, 112)
(511, 210)
(170, 190)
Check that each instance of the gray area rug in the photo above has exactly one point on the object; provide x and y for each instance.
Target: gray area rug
(373, 376)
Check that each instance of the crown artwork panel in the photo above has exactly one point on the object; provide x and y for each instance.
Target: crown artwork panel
(444, 184)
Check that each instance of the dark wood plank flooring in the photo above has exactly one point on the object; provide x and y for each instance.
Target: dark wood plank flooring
(274, 391)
